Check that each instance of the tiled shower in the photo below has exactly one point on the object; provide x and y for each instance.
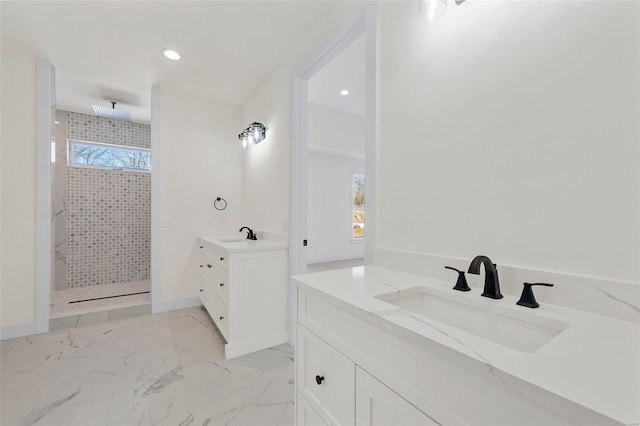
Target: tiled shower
(102, 220)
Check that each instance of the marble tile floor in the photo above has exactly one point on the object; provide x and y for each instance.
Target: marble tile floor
(331, 266)
(80, 320)
(160, 369)
(60, 306)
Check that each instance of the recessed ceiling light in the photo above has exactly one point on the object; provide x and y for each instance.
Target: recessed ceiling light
(344, 92)
(171, 54)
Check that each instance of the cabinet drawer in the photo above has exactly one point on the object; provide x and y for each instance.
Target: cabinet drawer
(306, 415)
(202, 265)
(222, 259)
(223, 284)
(222, 316)
(325, 378)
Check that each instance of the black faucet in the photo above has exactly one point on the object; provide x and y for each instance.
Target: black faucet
(491, 284)
(250, 234)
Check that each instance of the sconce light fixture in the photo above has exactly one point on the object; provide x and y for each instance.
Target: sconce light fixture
(429, 10)
(252, 135)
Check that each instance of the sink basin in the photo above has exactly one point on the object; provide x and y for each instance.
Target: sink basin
(511, 327)
(232, 240)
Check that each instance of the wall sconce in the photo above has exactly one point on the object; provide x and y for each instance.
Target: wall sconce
(429, 10)
(252, 135)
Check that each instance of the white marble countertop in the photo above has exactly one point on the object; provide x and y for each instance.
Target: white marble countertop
(595, 362)
(242, 245)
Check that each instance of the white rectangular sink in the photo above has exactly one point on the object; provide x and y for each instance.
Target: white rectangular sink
(233, 240)
(512, 327)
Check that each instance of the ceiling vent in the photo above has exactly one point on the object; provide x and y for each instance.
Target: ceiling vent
(112, 113)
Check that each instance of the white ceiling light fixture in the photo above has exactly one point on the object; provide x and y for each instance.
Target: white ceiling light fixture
(171, 54)
(344, 92)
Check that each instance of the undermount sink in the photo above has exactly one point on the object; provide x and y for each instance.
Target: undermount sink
(514, 328)
(232, 240)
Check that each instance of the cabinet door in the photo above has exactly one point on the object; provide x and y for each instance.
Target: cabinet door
(306, 415)
(325, 378)
(377, 405)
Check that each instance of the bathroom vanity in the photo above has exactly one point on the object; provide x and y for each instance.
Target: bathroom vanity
(243, 286)
(378, 346)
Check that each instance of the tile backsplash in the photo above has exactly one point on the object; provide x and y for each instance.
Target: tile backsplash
(108, 211)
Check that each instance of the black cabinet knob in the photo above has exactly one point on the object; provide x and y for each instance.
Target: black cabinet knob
(221, 284)
(319, 379)
(201, 290)
(209, 266)
(201, 247)
(222, 259)
(202, 266)
(221, 318)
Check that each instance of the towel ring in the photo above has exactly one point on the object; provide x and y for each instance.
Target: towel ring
(220, 201)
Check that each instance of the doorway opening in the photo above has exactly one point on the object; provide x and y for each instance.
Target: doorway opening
(336, 120)
(362, 24)
(93, 213)
(101, 200)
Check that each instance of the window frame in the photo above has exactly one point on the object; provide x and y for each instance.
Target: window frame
(71, 163)
(352, 175)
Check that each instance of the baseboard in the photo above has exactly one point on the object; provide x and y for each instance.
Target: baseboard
(17, 330)
(238, 349)
(599, 295)
(334, 258)
(172, 305)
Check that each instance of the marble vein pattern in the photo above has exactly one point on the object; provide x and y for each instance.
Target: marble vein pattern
(591, 349)
(160, 369)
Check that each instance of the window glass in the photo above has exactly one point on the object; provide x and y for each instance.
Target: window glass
(90, 154)
(357, 184)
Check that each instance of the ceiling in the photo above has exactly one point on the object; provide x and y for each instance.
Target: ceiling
(345, 71)
(105, 51)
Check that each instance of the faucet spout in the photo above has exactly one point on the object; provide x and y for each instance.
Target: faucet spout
(250, 234)
(491, 283)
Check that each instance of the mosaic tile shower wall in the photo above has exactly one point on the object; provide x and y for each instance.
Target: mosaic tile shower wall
(60, 203)
(94, 129)
(108, 211)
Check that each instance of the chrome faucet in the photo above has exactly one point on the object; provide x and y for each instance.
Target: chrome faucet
(250, 234)
(491, 283)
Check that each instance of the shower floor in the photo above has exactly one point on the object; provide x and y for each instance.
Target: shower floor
(60, 306)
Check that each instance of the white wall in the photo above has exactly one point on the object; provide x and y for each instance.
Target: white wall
(265, 167)
(335, 130)
(511, 129)
(17, 226)
(329, 182)
(330, 210)
(200, 161)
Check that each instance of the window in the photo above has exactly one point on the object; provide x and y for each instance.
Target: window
(105, 156)
(357, 196)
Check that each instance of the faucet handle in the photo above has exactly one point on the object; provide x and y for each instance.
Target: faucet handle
(461, 283)
(527, 298)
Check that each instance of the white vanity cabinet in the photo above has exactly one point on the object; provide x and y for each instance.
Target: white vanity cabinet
(378, 405)
(243, 286)
(333, 390)
(353, 368)
(205, 280)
